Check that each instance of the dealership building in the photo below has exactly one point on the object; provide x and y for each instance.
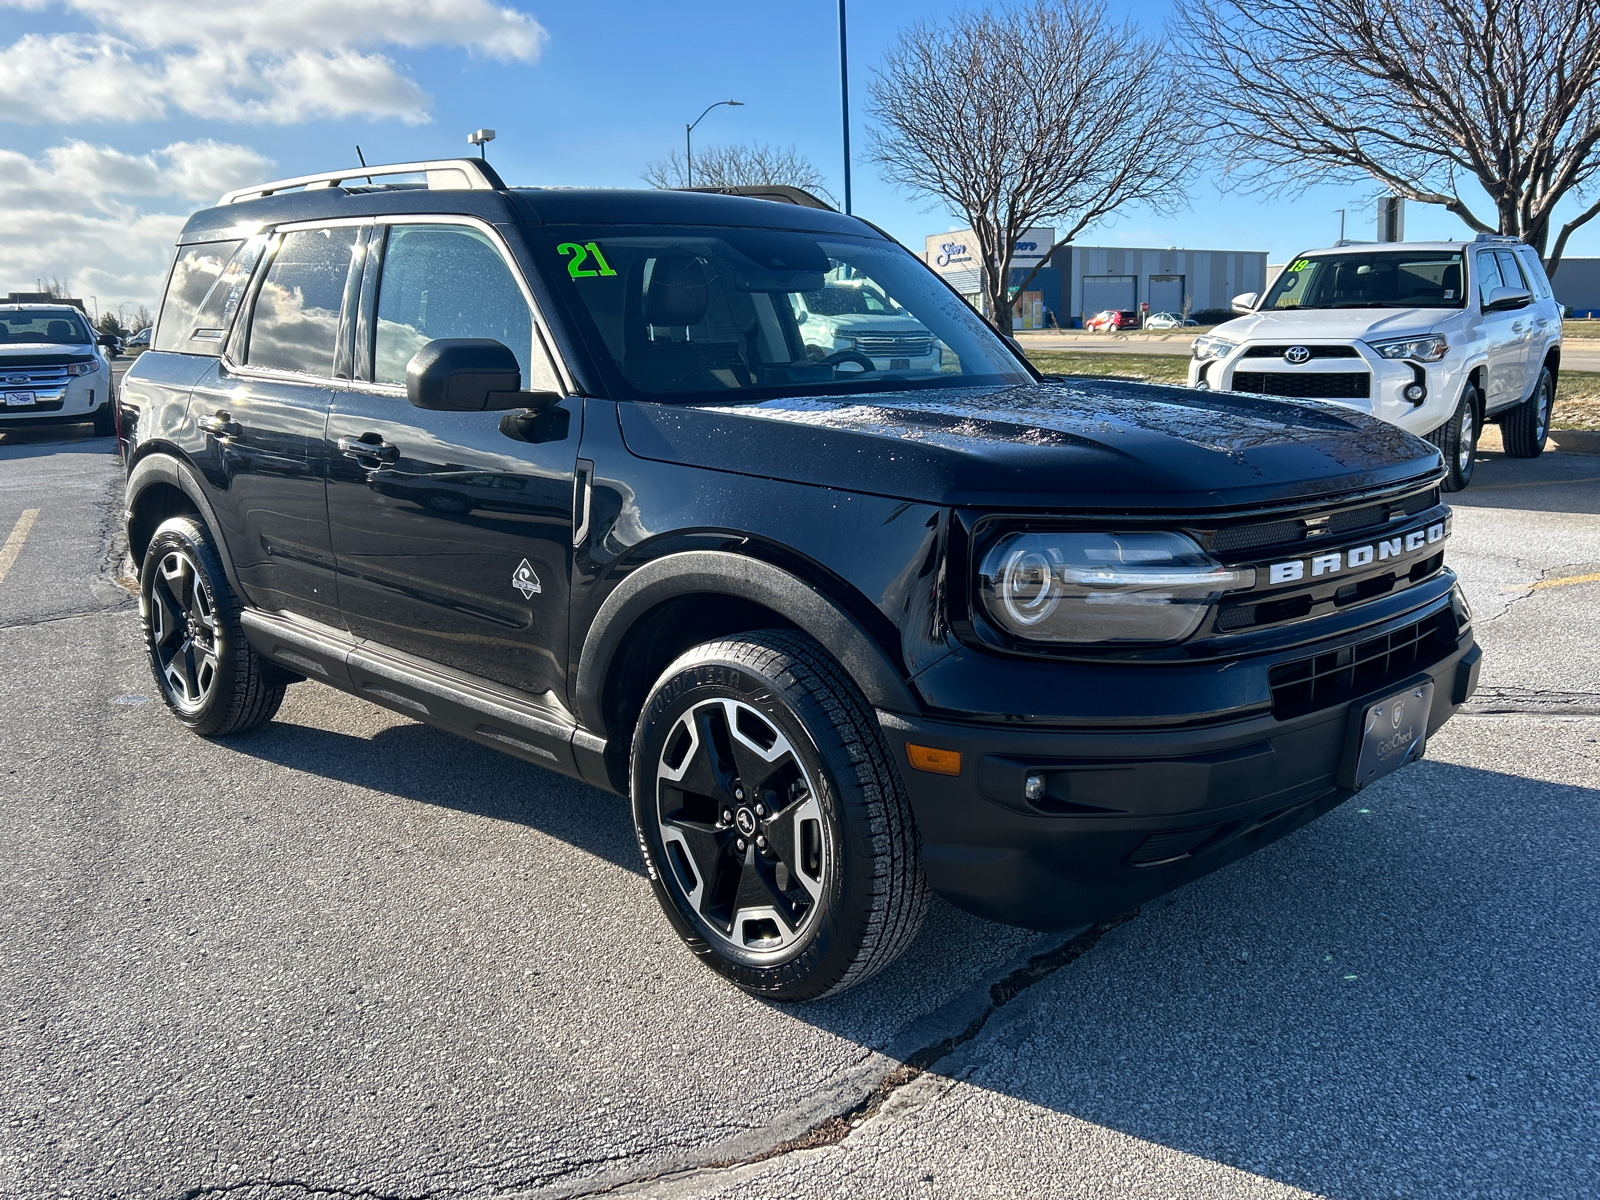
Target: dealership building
(1079, 281)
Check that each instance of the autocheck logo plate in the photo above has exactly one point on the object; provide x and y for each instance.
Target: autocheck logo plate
(1357, 558)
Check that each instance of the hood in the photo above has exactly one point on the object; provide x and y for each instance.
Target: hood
(872, 321)
(1084, 444)
(32, 351)
(1334, 324)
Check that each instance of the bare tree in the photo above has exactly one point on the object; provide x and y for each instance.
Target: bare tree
(1041, 113)
(1423, 96)
(750, 164)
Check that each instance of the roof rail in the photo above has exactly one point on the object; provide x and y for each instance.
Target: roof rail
(781, 193)
(444, 174)
(1497, 237)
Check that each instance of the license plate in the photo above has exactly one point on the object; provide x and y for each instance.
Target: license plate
(18, 399)
(1394, 732)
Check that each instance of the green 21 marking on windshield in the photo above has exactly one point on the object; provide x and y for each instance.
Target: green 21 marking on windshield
(579, 255)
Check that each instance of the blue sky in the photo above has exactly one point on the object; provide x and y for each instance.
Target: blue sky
(116, 119)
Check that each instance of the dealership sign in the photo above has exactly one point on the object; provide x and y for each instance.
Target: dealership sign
(958, 250)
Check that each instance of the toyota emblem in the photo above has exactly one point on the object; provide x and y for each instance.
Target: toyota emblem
(1296, 355)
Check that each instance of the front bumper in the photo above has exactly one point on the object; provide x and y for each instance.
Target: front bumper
(1389, 378)
(1128, 813)
(72, 404)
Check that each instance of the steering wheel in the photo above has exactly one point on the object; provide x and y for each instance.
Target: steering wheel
(855, 356)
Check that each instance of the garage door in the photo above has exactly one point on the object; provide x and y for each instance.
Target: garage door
(1166, 294)
(1109, 291)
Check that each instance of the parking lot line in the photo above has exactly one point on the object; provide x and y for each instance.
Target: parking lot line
(13, 546)
(1543, 583)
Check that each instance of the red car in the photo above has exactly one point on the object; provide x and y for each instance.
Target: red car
(1111, 318)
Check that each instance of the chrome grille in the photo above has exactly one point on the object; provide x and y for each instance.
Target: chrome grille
(32, 378)
(880, 344)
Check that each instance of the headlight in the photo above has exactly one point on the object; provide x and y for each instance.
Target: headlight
(1423, 349)
(88, 368)
(1101, 588)
(1207, 348)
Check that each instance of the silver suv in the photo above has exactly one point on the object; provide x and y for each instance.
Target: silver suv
(1436, 337)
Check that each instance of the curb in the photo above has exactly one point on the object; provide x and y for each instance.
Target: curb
(1576, 441)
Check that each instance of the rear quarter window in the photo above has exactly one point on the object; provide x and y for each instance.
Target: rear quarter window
(194, 274)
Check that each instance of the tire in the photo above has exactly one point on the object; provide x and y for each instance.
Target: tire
(209, 675)
(105, 421)
(1526, 428)
(1457, 438)
(762, 782)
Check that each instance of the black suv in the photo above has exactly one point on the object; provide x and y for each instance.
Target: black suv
(567, 472)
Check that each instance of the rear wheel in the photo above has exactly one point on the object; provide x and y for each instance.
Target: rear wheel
(1457, 439)
(776, 831)
(211, 678)
(1525, 428)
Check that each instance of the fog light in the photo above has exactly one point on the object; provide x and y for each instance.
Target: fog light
(1033, 787)
(1415, 392)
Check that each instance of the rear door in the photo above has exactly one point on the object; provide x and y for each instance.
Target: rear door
(1525, 327)
(264, 412)
(453, 531)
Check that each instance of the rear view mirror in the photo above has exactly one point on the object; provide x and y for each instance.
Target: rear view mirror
(1502, 299)
(469, 375)
(1245, 302)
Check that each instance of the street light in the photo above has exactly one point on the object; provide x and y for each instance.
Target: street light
(688, 146)
(479, 139)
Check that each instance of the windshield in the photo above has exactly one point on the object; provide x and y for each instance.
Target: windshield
(42, 325)
(1370, 279)
(694, 313)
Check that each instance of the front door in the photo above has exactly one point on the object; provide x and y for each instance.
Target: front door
(452, 531)
(1503, 334)
(264, 411)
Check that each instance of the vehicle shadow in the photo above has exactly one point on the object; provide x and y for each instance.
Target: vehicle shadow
(1554, 482)
(53, 439)
(1398, 999)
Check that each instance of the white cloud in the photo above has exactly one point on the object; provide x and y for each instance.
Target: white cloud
(91, 215)
(242, 60)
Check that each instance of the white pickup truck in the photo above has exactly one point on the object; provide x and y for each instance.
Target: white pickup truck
(1436, 337)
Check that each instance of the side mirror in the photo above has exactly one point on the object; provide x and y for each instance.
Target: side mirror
(106, 340)
(469, 375)
(1245, 302)
(1503, 299)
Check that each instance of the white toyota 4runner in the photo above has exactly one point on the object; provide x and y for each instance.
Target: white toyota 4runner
(1437, 337)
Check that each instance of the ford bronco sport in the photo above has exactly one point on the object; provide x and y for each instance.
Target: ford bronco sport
(558, 470)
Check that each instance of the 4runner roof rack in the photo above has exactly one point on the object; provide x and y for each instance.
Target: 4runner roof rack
(1498, 237)
(444, 174)
(782, 193)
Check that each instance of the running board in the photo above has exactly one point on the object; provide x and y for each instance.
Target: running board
(484, 712)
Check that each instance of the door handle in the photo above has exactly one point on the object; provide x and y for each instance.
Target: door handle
(1516, 327)
(220, 425)
(369, 445)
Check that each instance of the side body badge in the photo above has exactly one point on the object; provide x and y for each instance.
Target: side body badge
(525, 581)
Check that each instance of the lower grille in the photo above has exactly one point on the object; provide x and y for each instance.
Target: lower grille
(1327, 679)
(1310, 385)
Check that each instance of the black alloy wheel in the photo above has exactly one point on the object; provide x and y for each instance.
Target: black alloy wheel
(1525, 429)
(209, 675)
(776, 832)
(1457, 439)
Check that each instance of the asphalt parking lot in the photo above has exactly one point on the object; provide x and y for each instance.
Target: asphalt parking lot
(347, 955)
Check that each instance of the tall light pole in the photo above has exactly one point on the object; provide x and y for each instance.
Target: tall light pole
(688, 146)
(844, 104)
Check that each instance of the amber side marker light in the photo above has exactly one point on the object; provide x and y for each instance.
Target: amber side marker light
(939, 762)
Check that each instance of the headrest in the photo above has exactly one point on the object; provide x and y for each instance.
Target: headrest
(59, 331)
(677, 292)
(1451, 278)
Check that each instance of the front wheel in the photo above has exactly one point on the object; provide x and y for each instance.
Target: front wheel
(211, 678)
(775, 829)
(105, 420)
(1525, 428)
(1457, 438)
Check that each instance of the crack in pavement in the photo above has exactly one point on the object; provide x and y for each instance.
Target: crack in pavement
(832, 1130)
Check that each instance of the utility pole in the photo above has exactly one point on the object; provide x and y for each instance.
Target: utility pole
(844, 103)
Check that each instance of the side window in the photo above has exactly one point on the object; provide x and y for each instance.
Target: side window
(1534, 270)
(295, 323)
(450, 281)
(216, 312)
(1488, 275)
(193, 276)
(1510, 272)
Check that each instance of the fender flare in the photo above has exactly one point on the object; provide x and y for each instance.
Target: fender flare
(719, 572)
(158, 467)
